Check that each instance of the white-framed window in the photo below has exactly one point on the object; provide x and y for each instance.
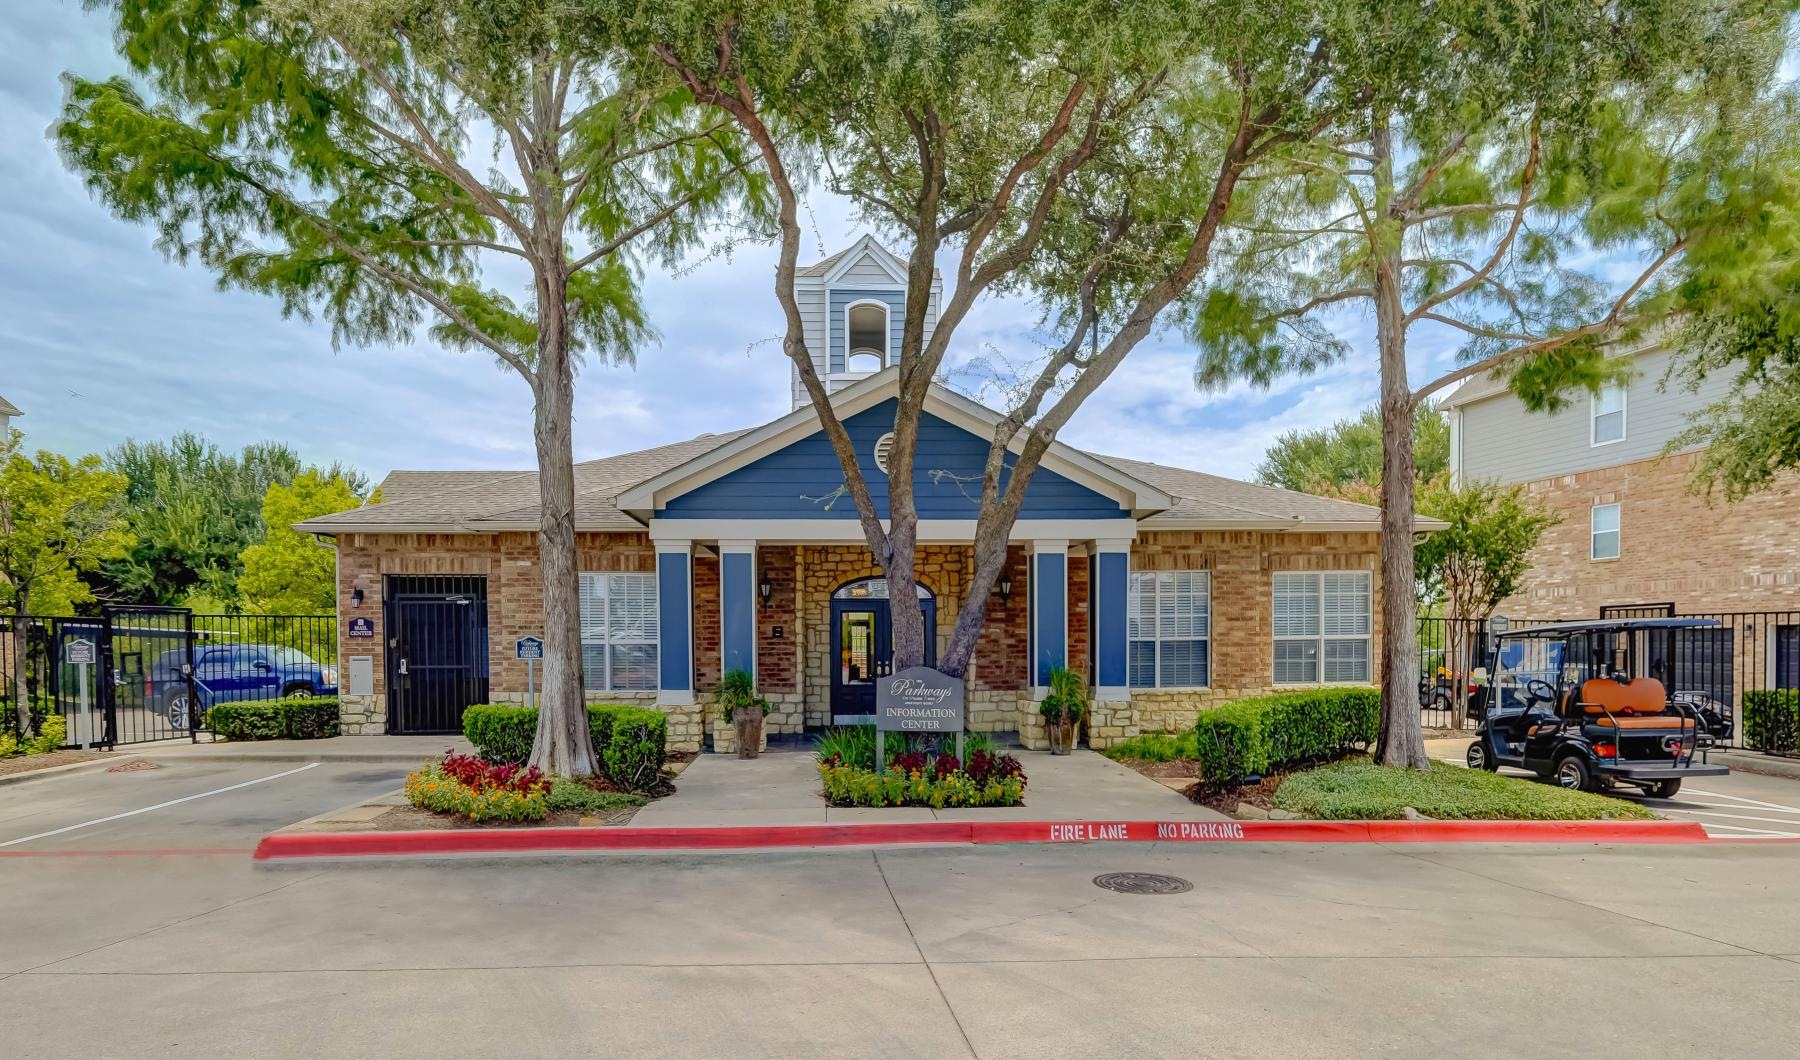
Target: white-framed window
(618, 632)
(866, 337)
(1322, 623)
(1604, 532)
(1169, 629)
(1607, 415)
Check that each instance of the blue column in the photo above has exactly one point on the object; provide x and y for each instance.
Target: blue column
(1112, 585)
(1049, 609)
(675, 612)
(737, 604)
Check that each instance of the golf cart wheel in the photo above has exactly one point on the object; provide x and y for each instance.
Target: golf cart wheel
(1478, 758)
(1573, 774)
(1664, 789)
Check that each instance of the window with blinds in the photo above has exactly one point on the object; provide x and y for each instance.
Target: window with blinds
(1169, 629)
(618, 632)
(1322, 624)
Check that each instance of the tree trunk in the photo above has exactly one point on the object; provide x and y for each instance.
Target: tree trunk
(1402, 740)
(563, 745)
(21, 661)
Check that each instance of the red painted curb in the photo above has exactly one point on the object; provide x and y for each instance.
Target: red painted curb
(517, 840)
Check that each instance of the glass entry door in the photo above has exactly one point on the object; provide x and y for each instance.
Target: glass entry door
(862, 646)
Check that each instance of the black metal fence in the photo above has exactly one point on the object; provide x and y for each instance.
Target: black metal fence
(140, 674)
(1746, 668)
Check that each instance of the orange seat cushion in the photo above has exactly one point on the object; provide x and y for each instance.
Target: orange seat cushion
(1659, 721)
(1640, 695)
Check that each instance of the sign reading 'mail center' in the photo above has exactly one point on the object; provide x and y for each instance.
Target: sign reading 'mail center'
(919, 699)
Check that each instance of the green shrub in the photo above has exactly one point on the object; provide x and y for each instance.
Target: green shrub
(849, 786)
(572, 796)
(310, 718)
(854, 745)
(1359, 790)
(1155, 747)
(630, 743)
(1250, 737)
(1772, 719)
(1066, 700)
(633, 756)
(52, 734)
(737, 689)
(500, 733)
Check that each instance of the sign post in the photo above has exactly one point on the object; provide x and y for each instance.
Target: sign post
(80, 654)
(530, 649)
(917, 699)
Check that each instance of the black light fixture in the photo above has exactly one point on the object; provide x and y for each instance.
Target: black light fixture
(1005, 586)
(764, 589)
(356, 597)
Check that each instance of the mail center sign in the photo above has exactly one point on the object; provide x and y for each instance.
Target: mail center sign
(919, 699)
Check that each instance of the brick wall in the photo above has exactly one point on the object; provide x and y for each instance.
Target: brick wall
(1241, 563)
(1079, 589)
(1673, 548)
(776, 656)
(708, 627)
(1003, 647)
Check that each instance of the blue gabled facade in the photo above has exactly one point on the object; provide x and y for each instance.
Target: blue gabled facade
(803, 480)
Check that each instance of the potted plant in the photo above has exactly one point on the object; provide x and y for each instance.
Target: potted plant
(1063, 709)
(742, 709)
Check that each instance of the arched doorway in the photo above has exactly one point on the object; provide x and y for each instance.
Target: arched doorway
(862, 645)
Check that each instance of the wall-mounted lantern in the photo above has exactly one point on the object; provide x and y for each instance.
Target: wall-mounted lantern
(765, 589)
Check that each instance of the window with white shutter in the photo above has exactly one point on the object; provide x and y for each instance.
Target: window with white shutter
(618, 632)
(1169, 629)
(1322, 627)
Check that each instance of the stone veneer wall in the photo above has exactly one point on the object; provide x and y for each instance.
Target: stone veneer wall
(1673, 547)
(1243, 646)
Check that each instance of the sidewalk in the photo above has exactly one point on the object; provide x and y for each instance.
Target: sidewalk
(782, 788)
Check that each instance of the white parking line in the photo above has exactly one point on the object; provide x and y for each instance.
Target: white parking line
(1733, 816)
(1738, 831)
(158, 806)
(1754, 802)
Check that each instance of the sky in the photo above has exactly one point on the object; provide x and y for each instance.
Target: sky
(102, 338)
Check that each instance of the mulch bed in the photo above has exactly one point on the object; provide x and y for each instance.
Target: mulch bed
(31, 763)
(1226, 800)
(413, 819)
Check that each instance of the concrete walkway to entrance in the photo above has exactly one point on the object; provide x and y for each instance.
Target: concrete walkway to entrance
(783, 788)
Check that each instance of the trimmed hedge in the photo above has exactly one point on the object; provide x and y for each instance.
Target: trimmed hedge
(1772, 719)
(1250, 737)
(630, 743)
(310, 718)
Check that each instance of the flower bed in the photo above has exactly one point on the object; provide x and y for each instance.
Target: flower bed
(468, 787)
(915, 778)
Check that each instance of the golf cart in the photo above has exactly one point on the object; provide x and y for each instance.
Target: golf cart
(1562, 701)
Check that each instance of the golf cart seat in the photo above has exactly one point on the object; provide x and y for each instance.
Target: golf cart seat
(1637, 703)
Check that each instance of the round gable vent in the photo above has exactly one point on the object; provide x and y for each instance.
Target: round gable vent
(884, 445)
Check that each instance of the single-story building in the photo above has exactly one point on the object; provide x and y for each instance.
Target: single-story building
(1171, 589)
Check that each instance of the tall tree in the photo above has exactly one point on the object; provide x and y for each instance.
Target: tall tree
(290, 572)
(59, 519)
(1085, 153)
(382, 164)
(1349, 452)
(1526, 138)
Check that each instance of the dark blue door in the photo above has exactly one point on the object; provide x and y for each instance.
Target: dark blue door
(862, 646)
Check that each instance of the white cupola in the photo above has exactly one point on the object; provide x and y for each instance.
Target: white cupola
(853, 304)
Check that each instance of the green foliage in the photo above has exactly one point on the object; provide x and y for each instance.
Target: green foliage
(855, 744)
(630, 743)
(1251, 737)
(1155, 747)
(1482, 557)
(572, 796)
(1067, 699)
(1772, 720)
(737, 689)
(433, 789)
(308, 718)
(59, 519)
(1752, 435)
(847, 785)
(52, 734)
(1359, 790)
(1349, 451)
(291, 572)
(636, 747)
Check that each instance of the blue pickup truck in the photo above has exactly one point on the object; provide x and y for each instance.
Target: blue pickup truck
(228, 673)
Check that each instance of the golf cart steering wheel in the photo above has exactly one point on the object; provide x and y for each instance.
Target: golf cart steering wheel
(1537, 691)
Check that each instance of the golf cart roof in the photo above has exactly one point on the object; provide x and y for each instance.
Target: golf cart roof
(1608, 625)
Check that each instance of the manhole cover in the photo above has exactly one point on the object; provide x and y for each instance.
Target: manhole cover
(132, 766)
(1142, 883)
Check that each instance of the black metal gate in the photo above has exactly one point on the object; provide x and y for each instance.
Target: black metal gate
(437, 651)
(152, 693)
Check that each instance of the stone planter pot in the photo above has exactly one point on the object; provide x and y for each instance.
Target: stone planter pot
(747, 728)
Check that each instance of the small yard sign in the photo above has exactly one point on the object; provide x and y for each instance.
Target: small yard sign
(78, 652)
(919, 699)
(362, 627)
(529, 648)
